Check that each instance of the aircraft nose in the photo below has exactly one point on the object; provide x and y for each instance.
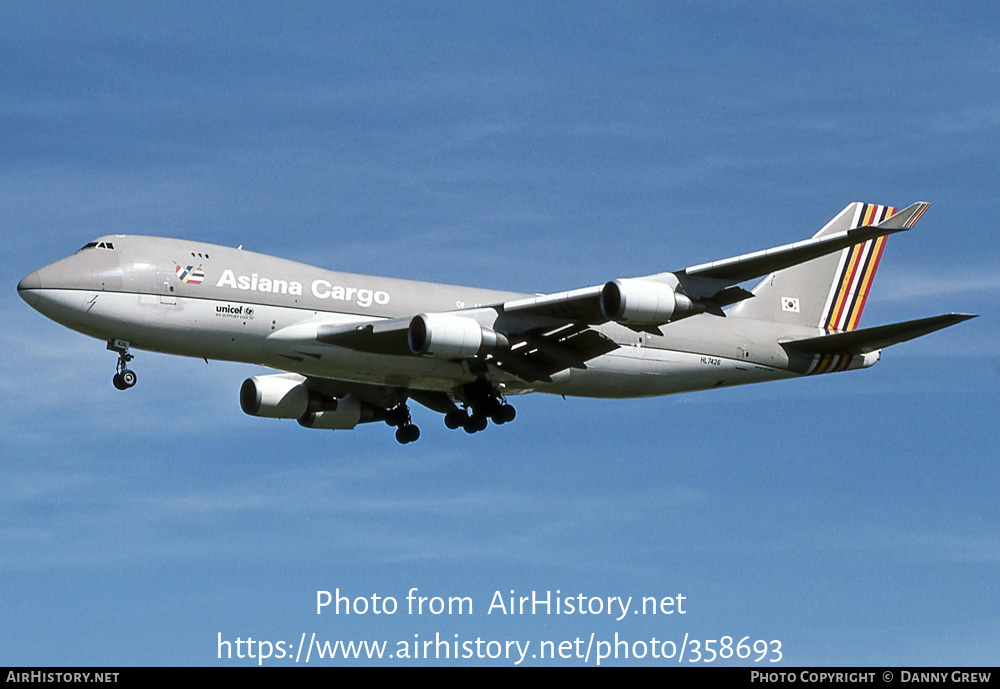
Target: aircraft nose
(28, 288)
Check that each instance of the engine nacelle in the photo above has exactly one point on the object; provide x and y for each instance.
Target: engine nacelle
(349, 412)
(641, 302)
(281, 396)
(447, 336)
(276, 397)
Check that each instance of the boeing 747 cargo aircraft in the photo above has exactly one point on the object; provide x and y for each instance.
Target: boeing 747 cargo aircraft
(354, 349)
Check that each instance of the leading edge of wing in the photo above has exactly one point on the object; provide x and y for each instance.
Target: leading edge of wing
(760, 263)
(577, 305)
(870, 339)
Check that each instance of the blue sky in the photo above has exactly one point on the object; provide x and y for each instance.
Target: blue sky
(534, 148)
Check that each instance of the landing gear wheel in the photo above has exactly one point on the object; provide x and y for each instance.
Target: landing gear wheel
(124, 378)
(407, 434)
(503, 414)
(486, 403)
(399, 416)
(475, 422)
(455, 419)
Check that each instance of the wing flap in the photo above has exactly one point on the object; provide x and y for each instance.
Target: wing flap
(870, 339)
(538, 356)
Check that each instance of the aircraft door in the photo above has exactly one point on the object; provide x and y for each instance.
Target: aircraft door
(166, 287)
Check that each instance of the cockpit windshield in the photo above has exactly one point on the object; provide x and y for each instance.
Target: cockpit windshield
(98, 245)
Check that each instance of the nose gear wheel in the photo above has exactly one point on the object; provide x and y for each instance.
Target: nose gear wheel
(124, 378)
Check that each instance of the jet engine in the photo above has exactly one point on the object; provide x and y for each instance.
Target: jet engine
(641, 302)
(277, 396)
(349, 412)
(447, 336)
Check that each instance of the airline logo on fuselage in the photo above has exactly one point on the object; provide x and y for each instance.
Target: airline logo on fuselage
(320, 288)
(189, 275)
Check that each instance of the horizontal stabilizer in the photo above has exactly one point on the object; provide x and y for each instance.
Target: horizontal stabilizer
(870, 339)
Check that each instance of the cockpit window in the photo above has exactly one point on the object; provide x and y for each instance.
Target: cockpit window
(98, 245)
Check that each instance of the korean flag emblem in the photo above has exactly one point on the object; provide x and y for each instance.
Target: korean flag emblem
(790, 304)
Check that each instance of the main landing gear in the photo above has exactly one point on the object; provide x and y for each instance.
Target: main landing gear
(483, 403)
(124, 378)
(399, 416)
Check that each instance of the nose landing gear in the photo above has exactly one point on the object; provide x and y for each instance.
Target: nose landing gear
(124, 378)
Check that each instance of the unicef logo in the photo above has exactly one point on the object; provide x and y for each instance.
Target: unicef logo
(249, 311)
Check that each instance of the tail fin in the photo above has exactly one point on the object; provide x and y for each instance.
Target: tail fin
(829, 292)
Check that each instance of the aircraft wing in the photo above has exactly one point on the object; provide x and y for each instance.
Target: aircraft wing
(760, 263)
(579, 305)
(534, 353)
(713, 284)
(537, 355)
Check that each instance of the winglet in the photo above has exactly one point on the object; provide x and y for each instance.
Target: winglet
(906, 218)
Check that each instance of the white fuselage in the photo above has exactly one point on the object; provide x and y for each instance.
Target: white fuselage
(193, 299)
